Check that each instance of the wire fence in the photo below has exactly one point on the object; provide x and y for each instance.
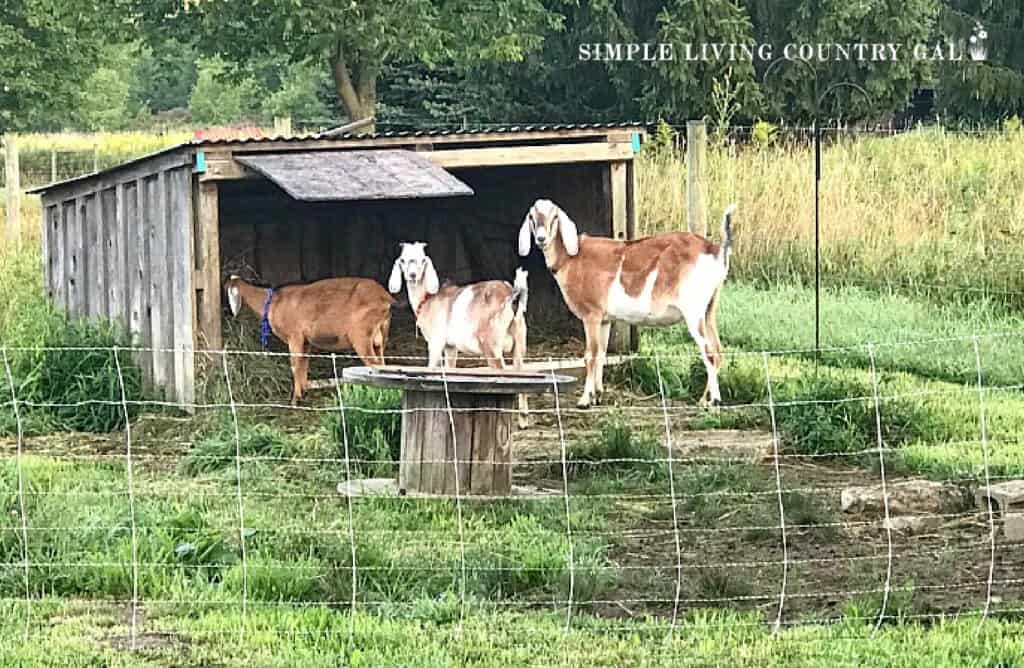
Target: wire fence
(621, 515)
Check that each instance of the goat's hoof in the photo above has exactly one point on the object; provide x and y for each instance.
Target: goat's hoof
(583, 403)
(710, 404)
(524, 423)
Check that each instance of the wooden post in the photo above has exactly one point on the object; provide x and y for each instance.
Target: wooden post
(282, 126)
(53, 166)
(618, 339)
(481, 445)
(696, 185)
(208, 288)
(95, 157)
(13, 182)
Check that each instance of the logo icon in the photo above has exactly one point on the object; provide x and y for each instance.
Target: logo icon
(976, 48)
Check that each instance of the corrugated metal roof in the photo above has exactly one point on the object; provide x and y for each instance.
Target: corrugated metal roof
(483, 130)
(489, 131)
(333, 176)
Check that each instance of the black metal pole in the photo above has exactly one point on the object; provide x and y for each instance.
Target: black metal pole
(817, 241)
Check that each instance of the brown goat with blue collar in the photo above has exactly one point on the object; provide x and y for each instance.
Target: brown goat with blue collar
(334, 315)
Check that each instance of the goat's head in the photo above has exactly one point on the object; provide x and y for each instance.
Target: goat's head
(546, 222)
(234, 294)
(414, 265)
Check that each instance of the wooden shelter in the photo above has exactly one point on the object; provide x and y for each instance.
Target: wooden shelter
(148, 243)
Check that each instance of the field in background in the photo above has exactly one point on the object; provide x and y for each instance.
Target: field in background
(928, 212)
(898, 212)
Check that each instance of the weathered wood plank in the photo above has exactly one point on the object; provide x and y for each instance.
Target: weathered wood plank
(137, 203)
(278, 252)
(95, 262)
(531, 155)
(501, 471)
(113, 286)
(316, 250)
(55, 251)
(133, 170)
(67, 213)
(412, 441)
(44, 227)
(436, 439)
(160, 316)
(481, 477)
(76, 260)
(619, 338)
(180, 269)
(464, 416)
(226, 168)
(696, 184)
(631, 196)
(208, 254)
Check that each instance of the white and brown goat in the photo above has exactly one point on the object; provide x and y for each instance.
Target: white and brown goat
(658, 281)
(486, 318)
(334, 314)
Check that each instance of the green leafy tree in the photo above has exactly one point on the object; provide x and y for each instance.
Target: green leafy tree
(219, 99)
(164, 73)
(355, 39)
(992, 88)
(298, 95)
(49, 48)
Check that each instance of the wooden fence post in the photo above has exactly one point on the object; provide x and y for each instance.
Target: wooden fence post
(283, 126)
(13, 186)
(53, 166)
(696, 185)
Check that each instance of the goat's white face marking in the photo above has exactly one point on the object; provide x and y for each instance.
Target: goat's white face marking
(414, 265)
(234, 299)
(546, 221)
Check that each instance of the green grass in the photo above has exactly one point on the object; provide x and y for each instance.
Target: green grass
(926, 366)
(486, 639)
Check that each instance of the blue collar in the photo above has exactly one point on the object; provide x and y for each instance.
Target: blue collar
(265, 322)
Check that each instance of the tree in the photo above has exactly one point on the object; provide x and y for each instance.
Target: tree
(987, 89)
(49, 48)
(219, 99)
(354, 39)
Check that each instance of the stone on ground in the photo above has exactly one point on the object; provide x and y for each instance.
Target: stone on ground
(905, 498)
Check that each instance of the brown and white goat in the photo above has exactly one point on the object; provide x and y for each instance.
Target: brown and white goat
(334, 314)
(486, 318)
(659, 281)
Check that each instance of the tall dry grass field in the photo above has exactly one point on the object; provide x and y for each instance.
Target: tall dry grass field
(926, 208)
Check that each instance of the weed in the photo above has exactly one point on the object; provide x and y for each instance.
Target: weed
(618, 449)
(216, 450)
(715, 585)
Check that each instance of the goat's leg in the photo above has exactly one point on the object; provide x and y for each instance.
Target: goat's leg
(451, 356)
(435, 351)
(711, 395)
(518, 352)
(296, 349)
(592, 330)
(602, 356)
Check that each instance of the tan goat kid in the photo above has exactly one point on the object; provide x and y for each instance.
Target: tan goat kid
(334, 315)
(658, 281)
(486, 318)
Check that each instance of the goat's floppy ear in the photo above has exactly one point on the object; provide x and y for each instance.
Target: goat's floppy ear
(430, 281)
(524, 237)
(570, 235)
(395, 282)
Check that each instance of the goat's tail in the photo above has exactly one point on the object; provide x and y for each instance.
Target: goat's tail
(726, 248)
(520, 292)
